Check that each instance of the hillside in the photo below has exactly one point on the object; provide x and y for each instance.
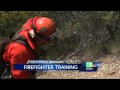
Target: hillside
(109, 69)
(82, 36)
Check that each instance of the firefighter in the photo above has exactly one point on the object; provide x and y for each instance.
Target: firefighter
(38, 30)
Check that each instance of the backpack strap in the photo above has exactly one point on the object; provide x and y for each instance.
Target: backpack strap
(22, 40)
(18, 39)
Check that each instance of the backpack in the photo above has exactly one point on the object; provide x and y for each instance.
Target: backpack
(5, 72)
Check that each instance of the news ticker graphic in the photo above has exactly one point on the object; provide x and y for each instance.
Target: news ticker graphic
(57, 65)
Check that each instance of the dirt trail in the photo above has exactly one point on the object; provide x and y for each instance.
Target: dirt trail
(109, 69)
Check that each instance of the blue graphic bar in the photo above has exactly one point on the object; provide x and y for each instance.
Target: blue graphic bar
(46, 66)
(83, 67)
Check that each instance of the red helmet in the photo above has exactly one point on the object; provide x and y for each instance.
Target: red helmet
(45, 26)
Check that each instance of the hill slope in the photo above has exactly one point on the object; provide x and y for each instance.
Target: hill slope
(109, 69)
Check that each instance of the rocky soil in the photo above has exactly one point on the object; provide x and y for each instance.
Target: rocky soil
(109, 69)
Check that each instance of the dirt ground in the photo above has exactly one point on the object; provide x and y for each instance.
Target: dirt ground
(109, 69)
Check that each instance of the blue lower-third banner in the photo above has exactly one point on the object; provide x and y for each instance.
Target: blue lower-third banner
(85, 66)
